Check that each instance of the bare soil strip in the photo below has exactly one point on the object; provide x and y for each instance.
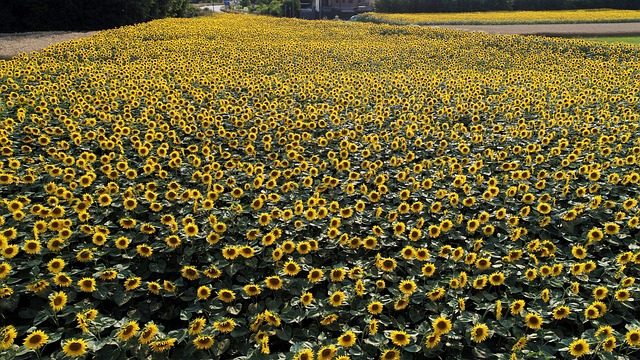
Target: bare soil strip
(565, 30)
(14, 44)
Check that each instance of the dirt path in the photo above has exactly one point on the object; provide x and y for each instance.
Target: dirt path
(15, 44)
(565, 30)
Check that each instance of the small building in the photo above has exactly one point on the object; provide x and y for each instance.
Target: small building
(329, 9)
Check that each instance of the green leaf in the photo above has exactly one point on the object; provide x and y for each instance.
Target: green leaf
(284, 333)
(122, 297)
(158, 266)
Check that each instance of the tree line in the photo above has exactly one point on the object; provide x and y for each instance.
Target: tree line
(414, 6)
(45, 15)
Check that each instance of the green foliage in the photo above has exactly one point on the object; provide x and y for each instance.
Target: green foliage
(43, 15)
(409, 6)
(615, 40)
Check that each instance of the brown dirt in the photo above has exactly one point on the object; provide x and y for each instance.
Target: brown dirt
(564, 30)
(15, 44)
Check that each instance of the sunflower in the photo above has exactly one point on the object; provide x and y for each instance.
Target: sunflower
(127, 223)
(428, 269)
(74, 347)
(132, 283)
(375, 307)
(561, 312)
(544, 208)
(517, 307)
(104, 200)
(144, 250)
(401, 303)
(436, 293)
(611, 228)
(594, 235)
(337, 274)
(327, 352)
(32, 247)
(162, 345)
(623, 295)
(628, 281)
(173, 241)
(154, 287)
(479, 333)
(99, 238)
(203, 292)
(373, 326)
(579, 252)
(306, 354)
(58, 300)
(609, 344)
(306, 298)
(62, 280)
(591, 312)
(86, 284)
(5, 269)
(315, 275)
(407, 287)
(147, 334)
(230, 252)
(38, 286)
(8, 335)
(347, 339)
(203, 342)
(625, 257)
(274, 282)
(496, 279)
(472, 225)
(36, 340)
(531, 274)
(408, 252)
(252, 289)
(604, 331)
(433, 231)
(10, 251)
(291, 268)
(130, 204)
(277, 254)
(578, 348)
(533, 321)
(190, 272)
(633, 337)
(441, 325)
(246, 251)
(337, 298)
(329, 319)
(400, 338)
(122, 242)
(191, 230)
(225, 326)
(432, 340)
(226, 295)
(197, 325)
(483, 263)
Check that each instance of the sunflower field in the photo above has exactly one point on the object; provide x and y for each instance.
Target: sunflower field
(243, 187)
(507, 17)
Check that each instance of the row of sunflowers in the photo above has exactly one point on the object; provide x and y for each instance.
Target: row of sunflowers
(257, 188)
(507, 17)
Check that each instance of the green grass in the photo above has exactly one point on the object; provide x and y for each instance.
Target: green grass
(621, 39)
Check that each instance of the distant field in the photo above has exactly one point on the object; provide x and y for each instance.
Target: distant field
(617, 39)
(507, 17)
